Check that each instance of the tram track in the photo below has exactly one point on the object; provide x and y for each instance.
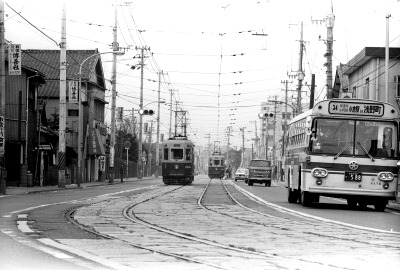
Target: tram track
(137, 213)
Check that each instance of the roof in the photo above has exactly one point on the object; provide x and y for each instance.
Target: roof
(365, 55)
(48, 63)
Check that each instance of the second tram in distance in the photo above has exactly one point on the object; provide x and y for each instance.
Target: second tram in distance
(216, 165)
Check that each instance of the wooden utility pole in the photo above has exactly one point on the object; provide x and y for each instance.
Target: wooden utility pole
(300, 73)
(2, 101)
(158, 125)
(140, 161)
(63, 103)
(330, 20)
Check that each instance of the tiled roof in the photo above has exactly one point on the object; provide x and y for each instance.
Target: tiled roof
(48, 63)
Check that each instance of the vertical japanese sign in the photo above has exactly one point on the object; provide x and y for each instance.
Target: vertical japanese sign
(120, 113)
(102, 160)
(73, 91)
(2, 136)
(14, 59)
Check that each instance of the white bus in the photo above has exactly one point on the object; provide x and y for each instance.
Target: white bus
(344, 148)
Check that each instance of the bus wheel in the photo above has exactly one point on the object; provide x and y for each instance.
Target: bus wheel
(380, 206)
(352, 203)
(250, 183)
(292, 196)
(306, 198)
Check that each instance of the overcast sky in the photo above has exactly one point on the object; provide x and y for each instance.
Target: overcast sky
(220, 70)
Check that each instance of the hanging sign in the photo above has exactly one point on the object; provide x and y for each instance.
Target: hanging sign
(73, 91)
(14, 59)
(102, 160)
(2, 136)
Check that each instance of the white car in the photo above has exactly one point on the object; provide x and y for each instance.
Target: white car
(242, 174)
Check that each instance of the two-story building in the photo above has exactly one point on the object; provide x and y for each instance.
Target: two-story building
(93, 99)
(22, 114)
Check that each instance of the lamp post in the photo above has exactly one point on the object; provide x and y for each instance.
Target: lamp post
(80, 113)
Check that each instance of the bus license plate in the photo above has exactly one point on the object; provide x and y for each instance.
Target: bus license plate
(352, 176)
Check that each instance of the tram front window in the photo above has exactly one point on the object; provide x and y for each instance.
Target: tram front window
(177, 153)
(351, 137)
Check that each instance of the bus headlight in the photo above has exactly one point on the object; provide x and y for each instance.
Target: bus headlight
(385, 176)
(319, 172)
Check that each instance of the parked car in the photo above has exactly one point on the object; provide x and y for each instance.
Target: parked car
(242, 174)
(260, 172)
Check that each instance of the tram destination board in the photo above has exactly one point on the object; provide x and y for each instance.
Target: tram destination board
(352, 176)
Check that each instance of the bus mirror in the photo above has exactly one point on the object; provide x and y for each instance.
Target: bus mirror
(308, 122)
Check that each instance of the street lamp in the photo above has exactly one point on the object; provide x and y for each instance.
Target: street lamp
(80, 113)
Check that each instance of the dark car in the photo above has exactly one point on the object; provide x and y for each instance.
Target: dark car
(260, 172)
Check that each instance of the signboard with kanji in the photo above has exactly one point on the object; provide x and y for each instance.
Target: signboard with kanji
(73, 91)
(2, 136)
(14, 59)
(102, 160)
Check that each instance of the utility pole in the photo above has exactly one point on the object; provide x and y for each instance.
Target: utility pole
(229, 137)
(115, 47)
(286, 116)
(300, 72)
(392, 97)
(208, 136)
(140, 161)
(242, 130)
(2, 101)
(63, 103)
(274, 134)
(150, 148)
(170, 114)
(158, 125)
(330, 20)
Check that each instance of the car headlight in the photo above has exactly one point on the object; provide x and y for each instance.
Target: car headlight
(319, 172)
(385, 176)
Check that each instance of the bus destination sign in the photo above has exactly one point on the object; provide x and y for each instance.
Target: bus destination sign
(349, 108)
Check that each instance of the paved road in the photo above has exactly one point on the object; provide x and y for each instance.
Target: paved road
(269, 239)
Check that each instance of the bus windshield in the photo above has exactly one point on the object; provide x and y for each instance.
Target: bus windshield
(354, 137)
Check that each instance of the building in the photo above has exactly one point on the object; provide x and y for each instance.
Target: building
(93, 99)
(364, 75)
(22, 114)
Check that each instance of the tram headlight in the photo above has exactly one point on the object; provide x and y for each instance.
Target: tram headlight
(385, 176)
(319, 172)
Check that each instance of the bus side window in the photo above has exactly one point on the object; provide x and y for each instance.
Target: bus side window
(165, 153)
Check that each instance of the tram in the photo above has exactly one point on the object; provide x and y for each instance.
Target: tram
(177, 161)
(216, 165)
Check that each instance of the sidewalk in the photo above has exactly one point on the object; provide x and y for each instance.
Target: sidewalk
(13, 190)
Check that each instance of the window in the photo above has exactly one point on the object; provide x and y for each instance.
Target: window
(73, 112)
(177, 153)
(354, 92)
(366, 89)
(397, 85)
(356, 138)
(166, 153)
(188, 154)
